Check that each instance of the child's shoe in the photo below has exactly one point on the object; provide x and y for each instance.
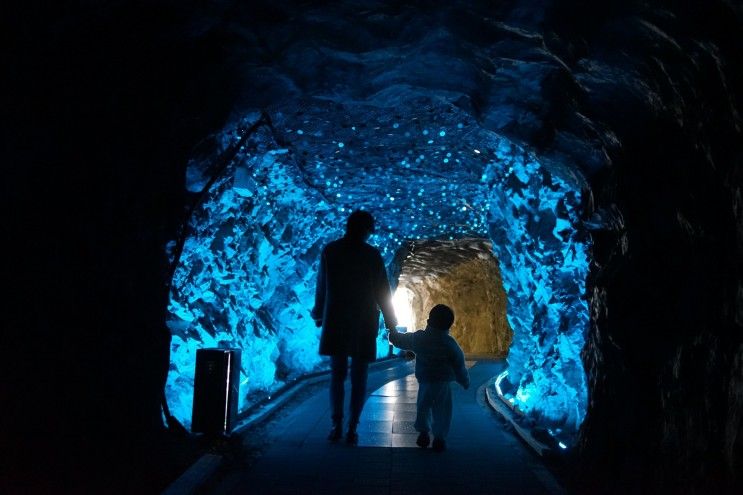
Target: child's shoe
(439, 445)
(423, 440)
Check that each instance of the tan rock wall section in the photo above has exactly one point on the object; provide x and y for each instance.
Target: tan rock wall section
(474, 290)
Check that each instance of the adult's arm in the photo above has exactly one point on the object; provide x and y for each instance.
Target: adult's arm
(319, 309)
(382, 293)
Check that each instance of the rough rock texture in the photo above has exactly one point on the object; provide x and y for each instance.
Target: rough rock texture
(464, 275)
(240, 275)
(246, 274)
(641, 100)
(640, 103)
(664, 352)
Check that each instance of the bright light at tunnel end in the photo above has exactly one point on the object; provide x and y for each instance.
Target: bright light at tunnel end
(402, 302)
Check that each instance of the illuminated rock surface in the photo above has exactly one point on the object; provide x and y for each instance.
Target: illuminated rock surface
(629, 110)
(613, 127)
(464, 275)
(426, 171)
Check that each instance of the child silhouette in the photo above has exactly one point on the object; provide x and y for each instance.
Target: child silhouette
(439, 360)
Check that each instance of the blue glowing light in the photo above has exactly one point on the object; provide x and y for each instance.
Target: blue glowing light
(247, 274)
(499, 380)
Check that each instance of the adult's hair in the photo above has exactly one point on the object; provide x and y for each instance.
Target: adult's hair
(359, 224)
(441, 317)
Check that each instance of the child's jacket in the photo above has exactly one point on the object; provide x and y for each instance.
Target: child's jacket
(438, 357)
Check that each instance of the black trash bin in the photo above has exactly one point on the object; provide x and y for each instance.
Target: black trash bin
(216, 390)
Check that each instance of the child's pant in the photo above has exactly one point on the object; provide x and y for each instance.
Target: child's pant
(434, 401)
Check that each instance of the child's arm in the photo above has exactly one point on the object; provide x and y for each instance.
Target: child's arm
(401, 340)
(460, 370)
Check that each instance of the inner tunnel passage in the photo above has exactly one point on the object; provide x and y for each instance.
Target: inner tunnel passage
(464, 275)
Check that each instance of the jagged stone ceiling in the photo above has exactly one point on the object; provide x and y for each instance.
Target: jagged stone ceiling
(464, 275)
(493, 61)
(436, 257)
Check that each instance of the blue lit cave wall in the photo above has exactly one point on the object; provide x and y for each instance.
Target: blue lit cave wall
(645, 99)
(247, 274)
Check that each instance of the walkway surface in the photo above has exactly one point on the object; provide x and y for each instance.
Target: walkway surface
(481, 456)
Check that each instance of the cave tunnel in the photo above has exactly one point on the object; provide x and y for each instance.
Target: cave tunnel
(566, 175)
(464, 275)
(427, 171)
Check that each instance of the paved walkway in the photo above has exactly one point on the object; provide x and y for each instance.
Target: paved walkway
(481, 456)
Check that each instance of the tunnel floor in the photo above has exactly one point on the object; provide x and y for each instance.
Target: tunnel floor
(482, 457)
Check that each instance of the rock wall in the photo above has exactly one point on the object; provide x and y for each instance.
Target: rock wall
(472, 291)
(465, 276)
(664, 351)
(639, 102)
(246, 276)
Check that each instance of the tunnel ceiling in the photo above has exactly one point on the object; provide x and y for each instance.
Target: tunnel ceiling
(420, 164)
(435, 257)
(494, 62)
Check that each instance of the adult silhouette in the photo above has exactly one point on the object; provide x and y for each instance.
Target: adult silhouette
(352, 287)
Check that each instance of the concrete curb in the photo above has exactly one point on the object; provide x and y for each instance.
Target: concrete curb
(195, 476)
(499, 404)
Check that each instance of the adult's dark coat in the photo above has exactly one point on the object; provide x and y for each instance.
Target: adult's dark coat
(352, 287)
